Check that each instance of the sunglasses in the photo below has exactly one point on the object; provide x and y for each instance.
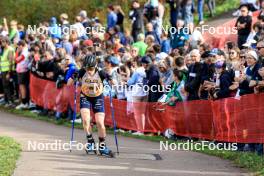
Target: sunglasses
(242, 56)
(232, 53)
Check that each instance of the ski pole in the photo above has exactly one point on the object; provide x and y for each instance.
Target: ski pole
(114, 122)
(75, 111)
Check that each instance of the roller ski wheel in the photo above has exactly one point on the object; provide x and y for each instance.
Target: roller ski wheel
(90, 149)
(106, 152)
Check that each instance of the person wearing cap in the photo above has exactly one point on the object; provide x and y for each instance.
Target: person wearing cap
(111, 17)
(141, 45)
(111, 64)
(207, 74)
(54, 29)
(223, 81)
(249, 79)
(217, 54)
(243, 25)
(153, 79)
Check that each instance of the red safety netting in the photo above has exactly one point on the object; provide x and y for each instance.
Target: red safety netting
(230, 120)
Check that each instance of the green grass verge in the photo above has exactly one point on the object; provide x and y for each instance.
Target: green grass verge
(9, 153)
(250, 161)
(221, 8)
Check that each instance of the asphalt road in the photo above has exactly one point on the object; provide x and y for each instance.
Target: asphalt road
(136, 158)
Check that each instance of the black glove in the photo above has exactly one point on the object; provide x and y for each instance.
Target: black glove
(75, 75)
(59, 82)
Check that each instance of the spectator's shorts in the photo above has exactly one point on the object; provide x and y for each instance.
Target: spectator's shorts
(23, 78)
(96, 103)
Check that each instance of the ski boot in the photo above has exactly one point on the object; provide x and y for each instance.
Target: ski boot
(90, 148)
(105, 151)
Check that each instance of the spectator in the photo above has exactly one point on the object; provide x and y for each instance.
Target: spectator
(165, 68)
(79, 28)
(247, 80)
(179, 38)
(66, 44)
(243, 25)
(194, 76)
(6, 67)
(22, 62)
(200, 11)
(175, 11)
(211, 7)
(153, 79)
(65, 24)
(187, 13)
(120, 17)
(177, 92)
(84, 19)
(54, 29)
(111, 17)
(165, 43)
(150, 31)
(141, 45)
(136, 17)
(260, 48)
(13, 33)
(223, 81)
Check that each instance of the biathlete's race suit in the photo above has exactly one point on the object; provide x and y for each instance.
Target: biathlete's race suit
(92, 90)
(92, 98)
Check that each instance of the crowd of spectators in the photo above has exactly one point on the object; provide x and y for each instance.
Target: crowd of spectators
(143, 54)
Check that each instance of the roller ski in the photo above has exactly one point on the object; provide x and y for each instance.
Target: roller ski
(105, 151)
(90, 148)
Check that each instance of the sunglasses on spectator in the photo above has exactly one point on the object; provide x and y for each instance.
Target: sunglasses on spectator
(232, 53)
(243, 10)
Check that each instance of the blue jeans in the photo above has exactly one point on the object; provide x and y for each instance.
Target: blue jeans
(200, 9)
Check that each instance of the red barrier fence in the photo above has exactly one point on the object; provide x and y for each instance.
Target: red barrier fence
(229, 120)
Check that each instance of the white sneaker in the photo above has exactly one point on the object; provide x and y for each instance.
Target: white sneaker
(35, 111)
(120, 131)
(201, 22)
(138, 133)
(22, 106)
(77, 120)
(31, 105)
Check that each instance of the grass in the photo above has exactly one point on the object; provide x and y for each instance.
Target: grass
(9, 153)
(221, 8)
(250, 161)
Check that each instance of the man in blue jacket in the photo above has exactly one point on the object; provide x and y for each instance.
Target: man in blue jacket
(180, 36)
